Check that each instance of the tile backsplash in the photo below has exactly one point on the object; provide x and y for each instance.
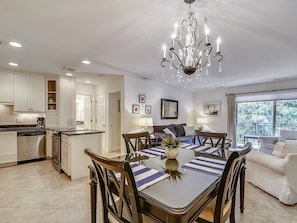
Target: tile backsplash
(8, 117)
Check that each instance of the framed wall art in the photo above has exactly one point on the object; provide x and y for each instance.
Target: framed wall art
(142, 98)
(148, 109)
(135, 109)
(169, 109)
(212, 108)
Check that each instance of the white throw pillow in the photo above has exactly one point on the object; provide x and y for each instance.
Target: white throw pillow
(189, 130)
(281, 149)
(169, 132)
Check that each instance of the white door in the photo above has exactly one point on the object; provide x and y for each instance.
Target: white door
(101, 117)
(88, 112)
(84, 111)
(114, 112)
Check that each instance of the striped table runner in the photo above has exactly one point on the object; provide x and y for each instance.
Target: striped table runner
(145, 176)
(158, 151)
(205, 149)
(152, 152)
(208, 165)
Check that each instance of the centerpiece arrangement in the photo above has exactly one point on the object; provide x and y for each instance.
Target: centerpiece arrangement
(171, 167)
(171, 146)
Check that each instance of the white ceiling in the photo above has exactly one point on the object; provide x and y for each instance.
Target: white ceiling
(259, 37)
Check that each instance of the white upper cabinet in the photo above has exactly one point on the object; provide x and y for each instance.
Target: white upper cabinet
(6, 87)
(29, 93)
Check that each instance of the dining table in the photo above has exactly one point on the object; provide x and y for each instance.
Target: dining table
(180, 197)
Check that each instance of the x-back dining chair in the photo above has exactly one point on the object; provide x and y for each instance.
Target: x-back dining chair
(137, 141)
(213, 139)
(120, 200)
(224, 204)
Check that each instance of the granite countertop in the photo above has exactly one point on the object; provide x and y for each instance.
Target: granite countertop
(81, 132)
(73, 131)
(8, 128)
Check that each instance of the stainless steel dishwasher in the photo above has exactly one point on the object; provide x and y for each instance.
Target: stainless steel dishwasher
(30, 145)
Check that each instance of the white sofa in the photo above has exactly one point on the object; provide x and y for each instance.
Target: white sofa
(273, 168)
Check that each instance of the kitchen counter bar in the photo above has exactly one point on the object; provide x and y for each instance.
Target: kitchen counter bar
(81, 132)
(73, 131)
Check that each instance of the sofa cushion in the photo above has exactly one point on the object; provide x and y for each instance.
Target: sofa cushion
(179, 129)
(189, 130)
(169, 132)
(281, 149)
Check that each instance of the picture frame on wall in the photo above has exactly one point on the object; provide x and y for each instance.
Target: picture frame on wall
(169, 109)
(142, 98)
(212, 108)
(135, 109)
(148, 109)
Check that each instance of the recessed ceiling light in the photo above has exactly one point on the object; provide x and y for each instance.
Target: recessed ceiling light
(69, 74)
(15, 44)
(88, 82)
(13, 64)
(86, 62)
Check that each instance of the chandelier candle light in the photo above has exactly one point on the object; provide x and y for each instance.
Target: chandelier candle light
(191, 50)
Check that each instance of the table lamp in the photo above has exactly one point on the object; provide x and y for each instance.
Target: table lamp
(201, 122)
(145, 122)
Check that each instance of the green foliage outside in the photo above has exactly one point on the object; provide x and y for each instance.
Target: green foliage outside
(257, 118)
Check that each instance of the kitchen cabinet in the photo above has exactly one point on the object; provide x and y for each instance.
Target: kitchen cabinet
(29, 93)
(8, 148)
(74, 161)
(6, 87)
(52, 95)
(65, 154)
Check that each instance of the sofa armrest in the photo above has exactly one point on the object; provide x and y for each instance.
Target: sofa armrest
(268, 139)
(267, 161)
(267, 143)
(291, 162)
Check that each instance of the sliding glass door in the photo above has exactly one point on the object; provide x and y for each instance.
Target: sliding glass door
(286, 115)
(264, 118)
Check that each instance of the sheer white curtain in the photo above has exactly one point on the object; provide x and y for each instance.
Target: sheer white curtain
(231, 118)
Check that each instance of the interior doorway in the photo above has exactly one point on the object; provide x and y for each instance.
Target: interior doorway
(84, 111)
(114, 118)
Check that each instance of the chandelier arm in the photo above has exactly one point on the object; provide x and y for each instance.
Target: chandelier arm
(203, 54)
(171, 56)
(163, 61)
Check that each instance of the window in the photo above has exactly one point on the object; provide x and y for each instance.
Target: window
(257, 116)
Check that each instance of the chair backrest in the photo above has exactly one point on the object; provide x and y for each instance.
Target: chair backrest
(137, 141)
(214, 139)
(119, 193)
(227, 190)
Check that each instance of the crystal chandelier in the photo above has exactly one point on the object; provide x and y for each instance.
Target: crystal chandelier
(191, 50)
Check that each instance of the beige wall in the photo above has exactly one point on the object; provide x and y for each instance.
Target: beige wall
(154, 91)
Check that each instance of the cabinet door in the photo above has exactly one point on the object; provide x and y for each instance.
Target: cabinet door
(37, 94)
(29, 93)
(65, 158)
(8, 147)
(6, 87)
(21, 92)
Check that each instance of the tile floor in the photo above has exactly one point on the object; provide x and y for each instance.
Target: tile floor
(35, 192)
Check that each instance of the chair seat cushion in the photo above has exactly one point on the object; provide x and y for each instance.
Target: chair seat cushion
(169, 132)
